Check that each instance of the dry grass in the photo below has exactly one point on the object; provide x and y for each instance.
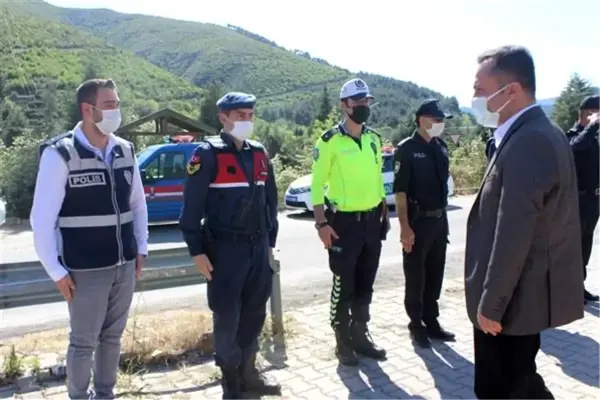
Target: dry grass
(150, 340)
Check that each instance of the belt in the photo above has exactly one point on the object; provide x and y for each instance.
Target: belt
(431, 213)
(360, 215)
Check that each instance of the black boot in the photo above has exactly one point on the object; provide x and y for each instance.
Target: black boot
(253, 381)
(230, 381)
(419, 335)
(435, 331)
(362, 342)
(343, 348)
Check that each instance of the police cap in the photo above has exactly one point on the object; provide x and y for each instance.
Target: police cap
(590, 103)
(355, 88)
(236, 100)
(431, 108)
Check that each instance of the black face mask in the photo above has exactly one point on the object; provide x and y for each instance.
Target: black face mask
(360, 114)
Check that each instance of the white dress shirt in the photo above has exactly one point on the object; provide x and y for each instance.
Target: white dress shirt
(50, 193)
(502, 130)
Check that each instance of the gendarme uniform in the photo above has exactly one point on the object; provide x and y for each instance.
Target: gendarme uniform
(351, 168)
(230, 215)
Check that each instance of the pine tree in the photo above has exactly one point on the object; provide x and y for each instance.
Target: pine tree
(566, 107)
(325, 106)
(209, 113)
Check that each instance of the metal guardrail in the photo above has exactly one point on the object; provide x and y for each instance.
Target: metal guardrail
(26, 283)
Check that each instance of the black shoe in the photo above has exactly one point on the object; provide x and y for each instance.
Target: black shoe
(587, 296)
(253, 381)
(418, 333)
(343, 348)
(362, 342)
(230, 382)
(435, 331)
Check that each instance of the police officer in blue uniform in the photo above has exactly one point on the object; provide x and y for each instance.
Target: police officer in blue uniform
(583, 138)
(231, 186)
(421, 191)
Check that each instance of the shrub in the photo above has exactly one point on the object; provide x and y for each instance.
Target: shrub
(18, 170)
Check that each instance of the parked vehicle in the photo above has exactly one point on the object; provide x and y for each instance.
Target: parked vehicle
(163, 171)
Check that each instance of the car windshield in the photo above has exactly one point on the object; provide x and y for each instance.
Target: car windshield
(144, 155)
(388, 163)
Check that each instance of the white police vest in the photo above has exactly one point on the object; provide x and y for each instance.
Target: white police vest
(95, 221)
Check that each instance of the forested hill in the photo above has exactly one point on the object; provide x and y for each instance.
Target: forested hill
(42, 62)
(288, 83)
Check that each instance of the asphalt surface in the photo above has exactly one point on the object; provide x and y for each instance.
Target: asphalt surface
(305, 276)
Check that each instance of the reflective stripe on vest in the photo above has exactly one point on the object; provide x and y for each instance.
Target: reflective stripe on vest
(95, 220)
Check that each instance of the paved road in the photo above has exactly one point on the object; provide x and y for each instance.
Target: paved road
(305, 275)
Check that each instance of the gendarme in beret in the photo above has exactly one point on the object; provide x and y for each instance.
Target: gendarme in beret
(236, 100)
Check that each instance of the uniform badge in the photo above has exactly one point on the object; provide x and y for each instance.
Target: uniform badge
(397, 166)
(128, 177)
(315, 154)
(194, 165)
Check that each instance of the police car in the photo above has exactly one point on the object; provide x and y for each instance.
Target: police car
(297, 195)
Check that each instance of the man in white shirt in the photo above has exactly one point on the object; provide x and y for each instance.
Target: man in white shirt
(90, 230)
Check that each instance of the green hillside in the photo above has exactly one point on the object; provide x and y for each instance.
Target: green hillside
(288, 84)
(42, 62)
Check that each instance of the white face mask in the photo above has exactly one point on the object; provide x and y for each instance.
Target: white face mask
(111, 120)
(436, 129)
(242, 130)
(483, 115)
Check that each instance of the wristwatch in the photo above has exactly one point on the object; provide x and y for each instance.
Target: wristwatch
(320, 225)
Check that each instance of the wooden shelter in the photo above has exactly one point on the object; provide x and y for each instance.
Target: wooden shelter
(162, 120)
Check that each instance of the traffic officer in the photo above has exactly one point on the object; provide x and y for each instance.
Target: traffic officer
(90, 231)
(231, 187)
(348, 159)
(421, 192)
(583, 138)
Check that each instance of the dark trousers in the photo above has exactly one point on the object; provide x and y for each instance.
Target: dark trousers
(505, 367)
(589, 210)
(424, 269)
(237, 296)
(354, 260)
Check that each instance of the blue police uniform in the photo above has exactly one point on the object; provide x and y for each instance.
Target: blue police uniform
(96, 213)
(234, 192)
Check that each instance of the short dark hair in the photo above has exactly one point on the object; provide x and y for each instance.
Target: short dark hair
(515, 63)
(88, 90)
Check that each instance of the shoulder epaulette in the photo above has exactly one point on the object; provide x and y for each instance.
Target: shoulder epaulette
(326, 137)
(442, 142)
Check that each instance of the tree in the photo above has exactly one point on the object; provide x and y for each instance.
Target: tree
(209, 112)
(13, 121)
(566, 107)
(325, 106)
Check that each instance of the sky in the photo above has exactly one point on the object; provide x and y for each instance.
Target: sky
(432, 43)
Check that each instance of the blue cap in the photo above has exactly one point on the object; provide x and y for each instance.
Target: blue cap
(236, 100)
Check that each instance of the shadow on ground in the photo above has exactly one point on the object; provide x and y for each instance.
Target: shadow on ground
(579, 359)
(377, 384)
